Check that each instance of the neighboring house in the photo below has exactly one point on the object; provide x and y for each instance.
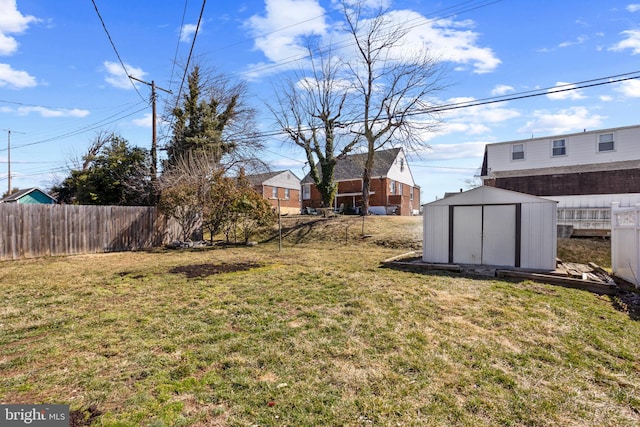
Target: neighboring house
(281, 185)
(585, 172)
(29, 195)
(392, 189)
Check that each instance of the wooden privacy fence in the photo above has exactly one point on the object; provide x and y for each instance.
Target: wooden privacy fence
(33, 230)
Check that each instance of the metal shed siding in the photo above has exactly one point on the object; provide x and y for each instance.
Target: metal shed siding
(536, 218)
(539, 236)
(436, 234)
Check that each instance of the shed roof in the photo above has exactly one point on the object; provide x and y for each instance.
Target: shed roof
(14, 197)
(485, 195)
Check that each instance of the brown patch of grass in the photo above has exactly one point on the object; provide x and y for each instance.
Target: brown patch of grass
(204, 270)
(584, 250)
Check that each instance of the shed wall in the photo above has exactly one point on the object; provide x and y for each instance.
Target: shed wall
(435, 234)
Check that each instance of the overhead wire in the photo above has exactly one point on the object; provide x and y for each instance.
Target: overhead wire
(106, 121)
(126, 72)
(175, 55)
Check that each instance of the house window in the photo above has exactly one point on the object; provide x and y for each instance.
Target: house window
(605, 142)
(401, 165)
(286, 194)
(306, 191)
(559, 147)
(392, 187)
(411, 193)
(399, 188)
(517, 152)
(274, 192)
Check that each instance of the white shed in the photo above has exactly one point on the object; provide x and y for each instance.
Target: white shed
(491, 226)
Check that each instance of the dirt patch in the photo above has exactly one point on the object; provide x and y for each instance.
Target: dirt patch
(203, 270)
(83, 417)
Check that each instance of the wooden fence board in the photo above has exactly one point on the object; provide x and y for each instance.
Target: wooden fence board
(30, 231)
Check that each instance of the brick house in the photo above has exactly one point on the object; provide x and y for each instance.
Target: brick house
(585, 172)
(283, 185)
(393, 190)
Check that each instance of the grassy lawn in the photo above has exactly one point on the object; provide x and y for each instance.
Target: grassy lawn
(317, 334)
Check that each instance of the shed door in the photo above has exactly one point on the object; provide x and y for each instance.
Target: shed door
(499, 235)
(467, 234)
(484, 235)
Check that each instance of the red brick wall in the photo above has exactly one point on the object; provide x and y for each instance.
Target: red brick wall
(604, 182)
(292, 205)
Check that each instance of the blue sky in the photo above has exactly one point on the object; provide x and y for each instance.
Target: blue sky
(61, 81)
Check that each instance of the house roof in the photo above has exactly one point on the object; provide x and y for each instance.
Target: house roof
(21, 193)
(259, 178)
(352, 166)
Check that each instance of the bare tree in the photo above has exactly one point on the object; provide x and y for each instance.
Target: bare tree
(372, 93)
(311, 109)
(394, 84)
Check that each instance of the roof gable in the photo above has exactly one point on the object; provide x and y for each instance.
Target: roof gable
(36, 194)
(284, 179)
(485, 195)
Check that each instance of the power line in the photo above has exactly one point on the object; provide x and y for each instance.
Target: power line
(175, 55)
(126, 72)
(193, 43)
(491, 100)
(85, 129)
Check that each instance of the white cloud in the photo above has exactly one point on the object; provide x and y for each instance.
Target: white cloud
(276, 37)
(15, 78)
(632, 42)
(563, 91)
(606, 98)
(479, 114)
(630, 88)
(579, 40)
(51, 112)
(188, 30)
(280, 42)
(447, 39)
(563, 121)
(145, 122)
(501, 90)
(633, 7)
(465, 150)
(12, 22)
(117, 77)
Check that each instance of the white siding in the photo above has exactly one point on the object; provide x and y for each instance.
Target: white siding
(539, 236)
(595, 200)
(400, 171)
(284, 180)
(581, 150)
(435, 234)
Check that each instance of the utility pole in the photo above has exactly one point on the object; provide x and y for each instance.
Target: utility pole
(9, 158)
(154, 143)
